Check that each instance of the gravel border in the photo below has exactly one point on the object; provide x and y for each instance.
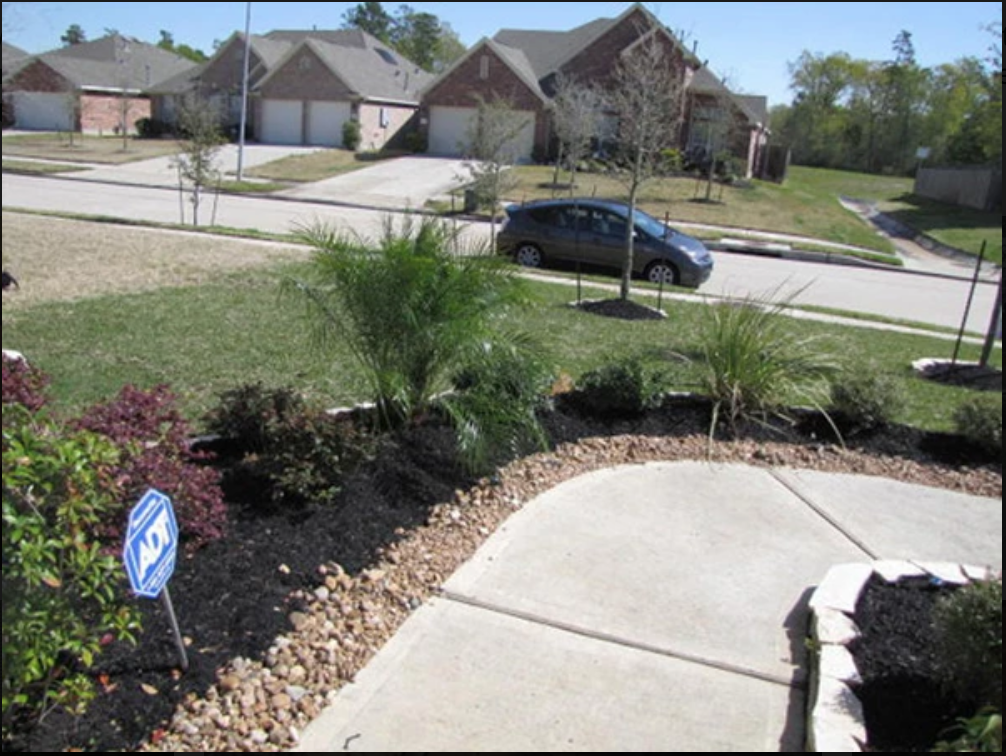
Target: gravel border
(263, 706)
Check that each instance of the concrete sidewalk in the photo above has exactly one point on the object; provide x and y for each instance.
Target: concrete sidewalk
(657, 608)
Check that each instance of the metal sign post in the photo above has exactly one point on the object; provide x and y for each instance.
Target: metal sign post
(150, 556)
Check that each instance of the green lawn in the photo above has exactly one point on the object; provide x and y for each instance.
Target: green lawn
(87, 149)
(31, 168)
(234, 330)
(958, 227)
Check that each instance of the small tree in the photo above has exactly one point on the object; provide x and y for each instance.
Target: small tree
(73, 36)
(492, 149)
(73, 112)
(199, 124)
(646, 95)
(576, 120)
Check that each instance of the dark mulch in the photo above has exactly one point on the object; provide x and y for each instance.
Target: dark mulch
(618, 309)
(907, 709)
(970, 376)
(233, 596)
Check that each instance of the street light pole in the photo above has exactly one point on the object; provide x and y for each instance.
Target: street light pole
(244, 95)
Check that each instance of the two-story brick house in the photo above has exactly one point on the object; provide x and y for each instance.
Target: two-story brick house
(521, 66)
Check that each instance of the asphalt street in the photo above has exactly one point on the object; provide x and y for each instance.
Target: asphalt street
(933, 300)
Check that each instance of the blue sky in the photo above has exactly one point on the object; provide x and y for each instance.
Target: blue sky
(749, 43)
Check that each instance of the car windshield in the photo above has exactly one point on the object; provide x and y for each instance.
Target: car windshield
(651, 226)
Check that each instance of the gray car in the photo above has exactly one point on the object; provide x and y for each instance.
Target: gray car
(593, 232)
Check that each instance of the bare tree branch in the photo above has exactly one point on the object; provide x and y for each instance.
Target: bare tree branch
(647, 98)
(577, 112)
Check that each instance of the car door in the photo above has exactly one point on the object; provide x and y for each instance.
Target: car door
(554, 232)
(604, 244)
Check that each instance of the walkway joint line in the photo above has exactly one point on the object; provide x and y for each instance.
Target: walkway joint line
(798, 683)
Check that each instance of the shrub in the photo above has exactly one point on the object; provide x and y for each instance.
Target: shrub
(867, 401)
(980, 420)
(982, 734)
(24, 385)
(153, 442)
(60, 588)
(754, 363)
(299, 455)
(352, 135)
(416, 143)
(621, 389)
(969, 629)
(496, 404)
(415, 308)
(151, 128)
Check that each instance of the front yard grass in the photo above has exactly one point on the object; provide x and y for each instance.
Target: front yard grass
(232, 329)
(958, 227)
(86, 148)
(31, 168)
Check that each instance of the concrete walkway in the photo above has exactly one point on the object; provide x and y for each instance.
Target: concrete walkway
(401, 184)
(643, 609)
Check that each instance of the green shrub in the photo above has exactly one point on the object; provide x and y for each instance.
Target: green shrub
(982, 734)
(866, 401)
(969, 628)
(622, 389)
(754, 363)
(352, 135)
(299, 455)
(496, 404)
(416, 308)
(980, 420)
(62, 592)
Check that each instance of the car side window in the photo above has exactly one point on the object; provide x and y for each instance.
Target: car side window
(608, 225)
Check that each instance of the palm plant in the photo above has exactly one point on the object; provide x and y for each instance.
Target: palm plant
(754, 364)
(418, 308)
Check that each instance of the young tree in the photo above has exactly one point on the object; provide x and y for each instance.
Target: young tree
(74, 35)
(492, 150)
(577, 110)
(199, 123)
(371, 18)
(647, 97)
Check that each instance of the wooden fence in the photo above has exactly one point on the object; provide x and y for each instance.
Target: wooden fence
(977, 188)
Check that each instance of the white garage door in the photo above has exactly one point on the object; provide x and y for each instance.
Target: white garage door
(35, 111)
(450, 132)
(325, 121)
(282, 122)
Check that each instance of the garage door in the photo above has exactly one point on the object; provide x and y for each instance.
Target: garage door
(325, 121)
(34, 111)
(450, 132)
(282, 122)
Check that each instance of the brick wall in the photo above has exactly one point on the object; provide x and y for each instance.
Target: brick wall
(37, 77)
(102, 114)
(306, 77)
(375, 135)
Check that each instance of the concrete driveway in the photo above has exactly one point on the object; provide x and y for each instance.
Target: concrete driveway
(402, 184)
(643, 609)
(160, 172)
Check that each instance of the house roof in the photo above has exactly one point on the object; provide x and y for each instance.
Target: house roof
(12, 58)
(340, 37)
(370, 68)
(547, 50)
(705, 82)
(515, 59)
(757, 106)
(116, 62)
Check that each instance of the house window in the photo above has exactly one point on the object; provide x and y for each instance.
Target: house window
(305, 63)
(484, 68)
(385, 118)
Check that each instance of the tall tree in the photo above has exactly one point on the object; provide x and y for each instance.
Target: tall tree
(167, 42)
(74, 35)
(371, 18)
(647, 94)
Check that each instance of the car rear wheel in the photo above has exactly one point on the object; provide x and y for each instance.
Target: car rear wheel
(662, 272)
(529, 256)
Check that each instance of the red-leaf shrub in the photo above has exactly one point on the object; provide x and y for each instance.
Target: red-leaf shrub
(24, 385)
(152, 437)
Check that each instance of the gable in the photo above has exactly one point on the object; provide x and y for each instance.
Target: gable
(225, 72)
(38, 76)
(305, 75)
(597, 62)
(486, 73)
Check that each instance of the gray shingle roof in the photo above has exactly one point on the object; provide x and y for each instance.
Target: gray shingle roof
(757, 107)
(705, 82)
(115, 62)
(12, 58)
(547, 50)
(340, 37)
(372, 69)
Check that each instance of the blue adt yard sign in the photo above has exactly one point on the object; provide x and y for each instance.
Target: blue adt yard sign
(151, 545)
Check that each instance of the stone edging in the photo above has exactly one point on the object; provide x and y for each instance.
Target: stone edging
(836, 722)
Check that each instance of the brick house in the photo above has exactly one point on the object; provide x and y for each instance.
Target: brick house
(96, 87)
(12, 59)
(522, 66)
(305, 85)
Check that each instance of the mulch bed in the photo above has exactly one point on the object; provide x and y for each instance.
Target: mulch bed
(237, 596)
